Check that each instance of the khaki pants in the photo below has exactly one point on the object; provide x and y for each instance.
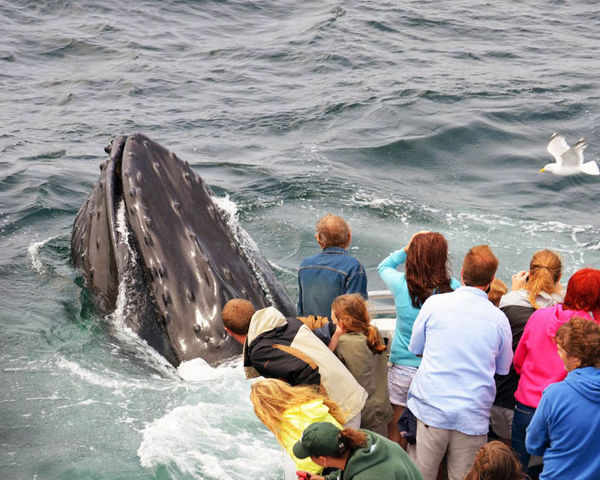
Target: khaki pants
(432, 444)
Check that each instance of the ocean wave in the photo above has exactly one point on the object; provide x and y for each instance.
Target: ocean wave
(204, 441)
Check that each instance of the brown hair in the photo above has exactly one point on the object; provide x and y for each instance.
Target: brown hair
(545, 269)
(427, 267)
(580, 338)
(333, 231)
(237, 314)
(496, 461)
(351, 439)
(351, 311)
(479, 266)
(271, 397)
(497, 289)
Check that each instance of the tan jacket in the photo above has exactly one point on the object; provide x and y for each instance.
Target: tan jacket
(274, 353)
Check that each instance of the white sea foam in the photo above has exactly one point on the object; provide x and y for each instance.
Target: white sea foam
(209, 441)
(108, 379)
(89, 401)
(34, 255)
(197, 370)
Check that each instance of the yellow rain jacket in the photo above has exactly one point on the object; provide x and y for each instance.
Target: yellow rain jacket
(293, 423)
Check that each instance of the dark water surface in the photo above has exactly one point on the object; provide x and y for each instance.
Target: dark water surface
(400, 116)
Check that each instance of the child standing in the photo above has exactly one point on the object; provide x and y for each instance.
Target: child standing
(360, 347)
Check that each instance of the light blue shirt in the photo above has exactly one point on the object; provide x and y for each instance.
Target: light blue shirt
(405, 311)
(464, 340)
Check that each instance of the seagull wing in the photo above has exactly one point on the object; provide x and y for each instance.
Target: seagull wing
(573, 157)
(557, 146)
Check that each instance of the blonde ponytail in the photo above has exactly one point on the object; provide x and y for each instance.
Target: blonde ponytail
(545, 270)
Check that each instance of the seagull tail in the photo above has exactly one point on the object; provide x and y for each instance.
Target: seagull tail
(591, 168)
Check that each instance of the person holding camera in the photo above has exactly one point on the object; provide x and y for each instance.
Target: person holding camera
(539, 287)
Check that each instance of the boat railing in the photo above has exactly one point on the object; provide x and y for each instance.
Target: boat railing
(383, 312)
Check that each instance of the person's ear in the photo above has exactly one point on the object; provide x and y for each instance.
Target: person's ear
(318, 240)
(319, 460)
(461, 275)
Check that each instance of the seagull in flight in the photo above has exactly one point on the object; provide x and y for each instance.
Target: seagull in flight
(569, 160)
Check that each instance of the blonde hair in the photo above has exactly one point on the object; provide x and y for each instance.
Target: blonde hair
(351, 312)
(545, 269)
(271, 397)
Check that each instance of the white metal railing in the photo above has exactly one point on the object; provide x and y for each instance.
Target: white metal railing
(381, 306)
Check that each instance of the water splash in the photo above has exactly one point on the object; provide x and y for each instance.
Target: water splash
(34, 255)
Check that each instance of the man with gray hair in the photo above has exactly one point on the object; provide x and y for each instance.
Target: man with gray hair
(331, 273)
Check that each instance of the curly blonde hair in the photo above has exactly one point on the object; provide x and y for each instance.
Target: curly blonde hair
(580, 338)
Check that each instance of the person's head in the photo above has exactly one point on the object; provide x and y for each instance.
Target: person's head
(333, 231)
(327, 445)
(236, 316)
(578, 343)
(545, 270)
(271, 397)
(583, 291)
(479, 266)
(350, 313)
(426, 267)
(496, 461)
(497, 289)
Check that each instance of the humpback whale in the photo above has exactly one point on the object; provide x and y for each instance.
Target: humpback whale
(150, 232)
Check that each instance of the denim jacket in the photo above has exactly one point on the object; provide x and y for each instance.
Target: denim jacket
(324, 276)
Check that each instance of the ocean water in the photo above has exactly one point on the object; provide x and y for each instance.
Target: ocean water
(400, 116)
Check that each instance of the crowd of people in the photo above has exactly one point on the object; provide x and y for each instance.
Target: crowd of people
(469, 362)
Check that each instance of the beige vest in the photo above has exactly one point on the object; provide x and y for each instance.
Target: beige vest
(340, 385)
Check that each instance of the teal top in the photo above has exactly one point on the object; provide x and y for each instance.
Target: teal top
(405, 312)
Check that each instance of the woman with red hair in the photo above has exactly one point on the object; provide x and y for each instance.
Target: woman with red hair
(536, 358)
(426, 273)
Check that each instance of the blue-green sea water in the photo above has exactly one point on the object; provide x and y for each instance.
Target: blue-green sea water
(397, 115)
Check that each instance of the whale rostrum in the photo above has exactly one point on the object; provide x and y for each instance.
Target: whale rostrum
(150, 228)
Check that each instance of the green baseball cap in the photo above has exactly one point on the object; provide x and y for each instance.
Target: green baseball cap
(319, 439)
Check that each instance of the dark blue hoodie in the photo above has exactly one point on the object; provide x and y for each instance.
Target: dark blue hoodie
(565, 428)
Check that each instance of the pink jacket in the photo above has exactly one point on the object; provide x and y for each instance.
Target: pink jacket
(536, 359)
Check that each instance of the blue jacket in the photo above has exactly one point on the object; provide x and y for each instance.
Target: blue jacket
(324, 276)
(566, 426)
